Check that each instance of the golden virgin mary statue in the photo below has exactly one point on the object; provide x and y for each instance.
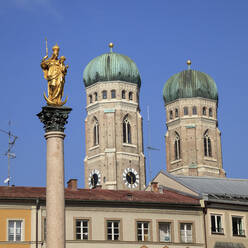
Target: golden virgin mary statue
(54, 72)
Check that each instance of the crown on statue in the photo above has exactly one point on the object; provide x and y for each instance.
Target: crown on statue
(56, 47)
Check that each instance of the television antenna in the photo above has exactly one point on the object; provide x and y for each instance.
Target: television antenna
(149, 147)
(9, 153)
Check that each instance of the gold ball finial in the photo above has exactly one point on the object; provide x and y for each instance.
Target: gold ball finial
(188, 62)
(111, 45)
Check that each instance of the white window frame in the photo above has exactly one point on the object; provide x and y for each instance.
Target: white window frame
(221, 231)
(22, 229)
(240, 233)
(168, 234)
(112, 228)
(82, 233)
(143, 231)
(186, 237)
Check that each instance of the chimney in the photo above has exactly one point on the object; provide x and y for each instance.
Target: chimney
(72, 184)
(98, 187)
(154, 186)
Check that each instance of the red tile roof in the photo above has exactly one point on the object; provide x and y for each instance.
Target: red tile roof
(104, 195)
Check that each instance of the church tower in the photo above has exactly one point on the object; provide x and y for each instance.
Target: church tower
(193, 139)
(113, 126)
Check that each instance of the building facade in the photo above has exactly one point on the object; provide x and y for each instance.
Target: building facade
(113, 126)
(193, 139)
(112, 218)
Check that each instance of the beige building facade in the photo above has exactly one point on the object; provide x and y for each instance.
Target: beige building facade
(113, 126)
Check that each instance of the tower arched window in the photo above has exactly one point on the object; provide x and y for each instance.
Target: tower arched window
(210, 112)
(207, 145)
(126, 131)
(177, 147)
(90, 98)
(130, 96)
(171, 114)
(194, 110)
(96, 132)
(113, 94)
(176, 112)
(123, 94)
(204, 111)
(185, 110)
(95, 94)
(104, 94)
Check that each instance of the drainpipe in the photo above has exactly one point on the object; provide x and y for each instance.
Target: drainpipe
(37, 219)
(204, 210)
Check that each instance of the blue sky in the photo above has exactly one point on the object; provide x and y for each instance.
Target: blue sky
(158, 35)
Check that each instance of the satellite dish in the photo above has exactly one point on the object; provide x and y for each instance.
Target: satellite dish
(6, 180)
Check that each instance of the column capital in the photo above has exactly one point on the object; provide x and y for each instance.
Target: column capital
(54, 118)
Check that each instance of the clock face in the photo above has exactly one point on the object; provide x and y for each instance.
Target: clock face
(131, 178)
(94, 178)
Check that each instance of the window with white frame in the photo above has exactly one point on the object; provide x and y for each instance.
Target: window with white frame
(164, 231)
(82, 229)
(15, 230)
(113, 230)
(186, 232)
(216, 224)
(143, 231)
(238, 226)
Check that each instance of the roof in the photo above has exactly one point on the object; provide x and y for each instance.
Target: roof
(167, 197)
(111, 67)
(188, 84)
(220, 189)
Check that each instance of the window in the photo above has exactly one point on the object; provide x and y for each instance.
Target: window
(207, 146)
(90, 98)
(194, 110)
(143, 232)
(185, 111)
(96, 98)
(96, 132)
(186, 232)
(164, 232)
(210, 112)
(15, 230)
(216, 226)
(123, 94)
(130, 95)
(177, 147)
(237, 226)
(113, 94)
(176, 112)
(104, 94)
(126, 131)
(171, 114)
(113, 230)
(82, 229)
(204, 111)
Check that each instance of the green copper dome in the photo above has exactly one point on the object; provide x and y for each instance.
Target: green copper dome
(190, 83)
(111, 67)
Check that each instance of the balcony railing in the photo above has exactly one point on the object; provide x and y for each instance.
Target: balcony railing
(240, 232)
